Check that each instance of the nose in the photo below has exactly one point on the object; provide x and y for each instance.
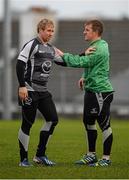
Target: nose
(51, 34)
(84, 32)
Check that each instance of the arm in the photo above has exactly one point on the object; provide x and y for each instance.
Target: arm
(90, 50)
(59, 61)
(79, 61)
(22, 91)
(20, 70)
(84, 60)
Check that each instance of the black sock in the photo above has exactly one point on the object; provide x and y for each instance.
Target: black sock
(44, 135)
(23, 153)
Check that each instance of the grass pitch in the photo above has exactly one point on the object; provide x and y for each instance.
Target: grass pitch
(65, 147)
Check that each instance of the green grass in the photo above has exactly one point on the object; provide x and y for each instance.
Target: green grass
(65, 146)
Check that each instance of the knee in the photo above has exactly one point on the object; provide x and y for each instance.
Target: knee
(26, 127)
(50, 126)
(107, 133)
(55, 123)
(91, 127)
(104, 127)
(89, 123)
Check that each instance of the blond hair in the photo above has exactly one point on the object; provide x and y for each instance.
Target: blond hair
(43, 23)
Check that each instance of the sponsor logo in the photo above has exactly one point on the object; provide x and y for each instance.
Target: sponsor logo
(41, 51)
(46, 67)
(28, 101)
(44, 75)
(94, 111)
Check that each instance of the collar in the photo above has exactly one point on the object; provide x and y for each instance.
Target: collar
(92, 42)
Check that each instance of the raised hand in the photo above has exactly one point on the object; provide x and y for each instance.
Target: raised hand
(90, 50)
(58, 52)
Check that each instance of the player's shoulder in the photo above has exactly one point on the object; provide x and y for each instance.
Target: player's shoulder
(104, 42)
(28, 43)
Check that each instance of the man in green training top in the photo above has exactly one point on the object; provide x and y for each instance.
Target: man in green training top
(98, 92)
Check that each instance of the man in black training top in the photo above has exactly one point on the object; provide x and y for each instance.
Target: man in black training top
(33, 68)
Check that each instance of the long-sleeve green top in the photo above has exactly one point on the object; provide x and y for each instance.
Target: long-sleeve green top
(96, 67)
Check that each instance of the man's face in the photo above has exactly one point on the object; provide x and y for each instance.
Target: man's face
(47, 33)
(89, 34)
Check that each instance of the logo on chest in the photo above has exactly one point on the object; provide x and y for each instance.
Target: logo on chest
(46, 67)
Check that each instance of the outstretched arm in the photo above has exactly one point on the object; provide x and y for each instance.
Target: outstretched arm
(88, 51)
(84, 61)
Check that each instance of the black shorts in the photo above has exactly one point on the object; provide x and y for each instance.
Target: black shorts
(41, 101)
(96, 104)
(33, 97)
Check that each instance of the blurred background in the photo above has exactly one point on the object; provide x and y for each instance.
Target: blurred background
(18, 21)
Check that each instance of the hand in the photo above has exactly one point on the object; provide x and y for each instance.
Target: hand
(23, 93)
(81, 83)
(58, 52)
(90, 50)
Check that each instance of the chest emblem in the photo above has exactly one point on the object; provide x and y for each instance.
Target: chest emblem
(46, 66)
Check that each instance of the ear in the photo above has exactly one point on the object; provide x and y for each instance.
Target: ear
(40, 30)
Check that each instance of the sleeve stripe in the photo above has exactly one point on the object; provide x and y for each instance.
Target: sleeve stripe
(25, 52)
(23, 56)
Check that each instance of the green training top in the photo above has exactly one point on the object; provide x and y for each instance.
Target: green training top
(96, 72)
